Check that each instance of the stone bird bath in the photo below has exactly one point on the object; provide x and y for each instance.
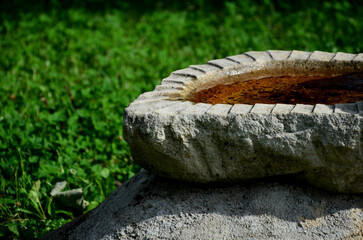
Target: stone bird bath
(254, 115)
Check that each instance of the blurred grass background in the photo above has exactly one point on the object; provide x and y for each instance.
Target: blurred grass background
(68, 68)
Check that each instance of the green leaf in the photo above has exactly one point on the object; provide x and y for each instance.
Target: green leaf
(92, 205)
(49, 206)
(64, 212)
(33, 159)
(26, 211)
(105, 172)
(33, 196)
(13, 227)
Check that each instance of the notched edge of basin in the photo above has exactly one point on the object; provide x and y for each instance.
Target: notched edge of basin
(181, 84)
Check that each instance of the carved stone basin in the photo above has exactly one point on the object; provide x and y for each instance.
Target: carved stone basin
(253, 115)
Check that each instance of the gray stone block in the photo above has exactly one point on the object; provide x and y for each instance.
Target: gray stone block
(223, 63)
(177, 79)
(347, 108)
(279, 55)
(344, 56)
(283, 108)
(321, 56)
(299, 55)
(259, 55)
(241, 109)
(323, 108)
(145, 107)
(359, 58)
(262, 108)
(169, 87)
(206, 68)
(188, 72)
(242, 58)
(157, 97)
(303, 108)
(220, 110)
(360, 107)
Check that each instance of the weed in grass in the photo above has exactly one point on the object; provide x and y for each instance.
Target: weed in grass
(68, 68)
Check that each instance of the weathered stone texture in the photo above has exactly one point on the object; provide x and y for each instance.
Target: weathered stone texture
(150, 207)
(205, 143)
(227, 143)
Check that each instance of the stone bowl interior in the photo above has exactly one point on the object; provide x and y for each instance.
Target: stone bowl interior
(340, 79)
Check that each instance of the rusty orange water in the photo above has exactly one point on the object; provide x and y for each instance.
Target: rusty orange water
(286, 89)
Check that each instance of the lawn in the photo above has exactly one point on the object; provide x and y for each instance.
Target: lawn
(69, 68)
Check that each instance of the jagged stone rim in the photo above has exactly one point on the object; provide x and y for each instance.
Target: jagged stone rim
(256, 64)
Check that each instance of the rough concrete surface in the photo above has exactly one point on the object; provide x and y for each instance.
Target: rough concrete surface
(176, 138)
(151, 207)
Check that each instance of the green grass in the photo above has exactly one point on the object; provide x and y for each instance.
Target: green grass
(68, 71)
